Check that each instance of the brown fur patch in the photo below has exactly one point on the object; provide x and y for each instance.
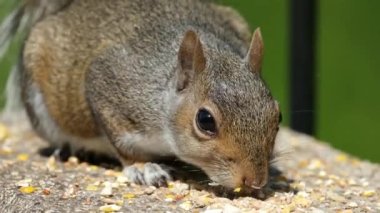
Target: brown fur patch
(60, 78)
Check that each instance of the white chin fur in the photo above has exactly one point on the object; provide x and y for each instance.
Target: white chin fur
(282, 148)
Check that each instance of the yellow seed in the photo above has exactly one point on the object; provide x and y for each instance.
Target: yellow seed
(93, 168)
(301, 201)
(369, 193)
(129, 196)
(286, 209)
(170, 185)
(6, 151)
(110, 208)
(169, 197)
(4, 132)
(207, 200)
(341, 158)
(28, 189)
(73, 161)
(303, 164)
(92, 188)
(22, 157)
(315, 164)
(237, 190)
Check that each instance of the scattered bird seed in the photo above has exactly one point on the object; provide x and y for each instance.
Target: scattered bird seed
(186, 205)
(311, 182)
(110, 208)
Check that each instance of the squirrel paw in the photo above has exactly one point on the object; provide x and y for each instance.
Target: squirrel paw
(148, 174)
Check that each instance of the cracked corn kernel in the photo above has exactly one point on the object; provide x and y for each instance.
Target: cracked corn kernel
(315, 164)
(169, 198)
(369, 193)
(301, 201)
(286, 209)
(129, 196)
(22, 157)
(170, 185)
(6, 151)
(341, 158)
(110, 208)
(303, 163)
(4, 132)
(93, 168)
(73, 161)
(92, 188)
(27, 189)
(237, 190)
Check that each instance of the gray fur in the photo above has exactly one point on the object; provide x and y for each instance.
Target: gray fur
(144, 69)
(115, 66)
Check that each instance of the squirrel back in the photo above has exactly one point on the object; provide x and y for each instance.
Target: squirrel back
(67, 41)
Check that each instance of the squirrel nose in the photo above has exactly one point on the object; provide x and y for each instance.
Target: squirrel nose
(256, 183)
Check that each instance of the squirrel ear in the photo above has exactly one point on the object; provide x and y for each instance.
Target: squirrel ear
(256, 51)
(191, 57)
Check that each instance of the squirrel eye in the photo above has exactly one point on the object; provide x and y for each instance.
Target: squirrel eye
(206, 122)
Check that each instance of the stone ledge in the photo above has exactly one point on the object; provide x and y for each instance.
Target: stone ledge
(315, 178)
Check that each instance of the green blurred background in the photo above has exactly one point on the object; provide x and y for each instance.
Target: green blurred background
(348, 61)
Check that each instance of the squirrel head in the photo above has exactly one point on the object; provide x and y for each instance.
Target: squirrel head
(227, 120)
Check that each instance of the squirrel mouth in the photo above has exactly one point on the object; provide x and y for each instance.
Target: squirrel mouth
(255, 187)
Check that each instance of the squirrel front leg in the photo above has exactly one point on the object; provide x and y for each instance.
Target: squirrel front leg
(131, 147)
(138, 165)
(148, 173)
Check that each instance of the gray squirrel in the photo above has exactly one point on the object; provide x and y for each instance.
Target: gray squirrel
(146, 80)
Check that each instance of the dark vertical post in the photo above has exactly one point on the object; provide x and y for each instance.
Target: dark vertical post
(302, 84)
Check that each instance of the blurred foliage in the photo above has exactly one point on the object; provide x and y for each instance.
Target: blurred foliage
(348, 60)
(7, 61)
(349, 75)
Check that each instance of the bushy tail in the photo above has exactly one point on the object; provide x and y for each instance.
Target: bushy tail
(20, 21)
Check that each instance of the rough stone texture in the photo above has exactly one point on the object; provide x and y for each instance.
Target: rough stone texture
(314, 178)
